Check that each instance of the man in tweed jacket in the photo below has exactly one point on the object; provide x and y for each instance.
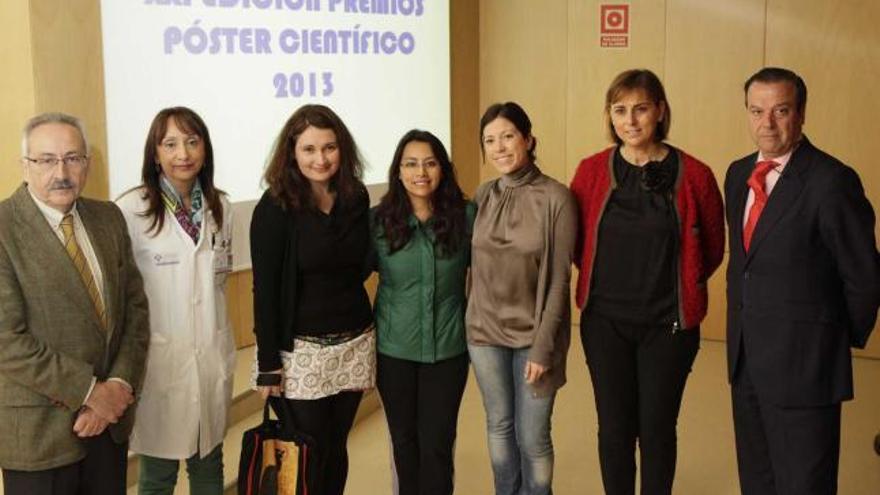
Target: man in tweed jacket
(71, 356)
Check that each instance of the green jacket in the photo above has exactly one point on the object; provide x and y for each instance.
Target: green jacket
(420, 302)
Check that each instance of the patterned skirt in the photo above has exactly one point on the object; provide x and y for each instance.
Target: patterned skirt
(319, 367)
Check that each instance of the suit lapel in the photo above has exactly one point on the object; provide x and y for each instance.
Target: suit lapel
(785, 193)
(43, 244)
(737, 199)
(100, 239)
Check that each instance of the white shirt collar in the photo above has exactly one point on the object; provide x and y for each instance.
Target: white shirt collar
(52, 215)
(781, 160)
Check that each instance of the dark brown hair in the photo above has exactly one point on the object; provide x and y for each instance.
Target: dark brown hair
(287, 185)
(634, 80)
(516, 115)
(447, 202)
(189, 122)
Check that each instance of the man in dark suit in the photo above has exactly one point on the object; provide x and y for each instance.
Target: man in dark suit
(803, 286)
(73, 324)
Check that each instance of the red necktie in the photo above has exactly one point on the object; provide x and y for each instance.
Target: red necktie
(756, 182)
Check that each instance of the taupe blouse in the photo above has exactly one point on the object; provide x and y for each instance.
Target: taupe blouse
(522, 250)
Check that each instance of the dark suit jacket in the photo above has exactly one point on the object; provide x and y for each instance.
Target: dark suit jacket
(810, 285)
(51, 340)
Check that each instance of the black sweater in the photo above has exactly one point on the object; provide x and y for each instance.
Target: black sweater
(308, 270)
(634, 274)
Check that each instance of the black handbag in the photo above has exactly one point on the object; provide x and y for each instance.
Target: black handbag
(274, 456)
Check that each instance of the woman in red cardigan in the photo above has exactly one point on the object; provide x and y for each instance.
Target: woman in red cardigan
(651, 232)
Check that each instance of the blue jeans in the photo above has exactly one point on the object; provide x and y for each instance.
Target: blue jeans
(517, 422)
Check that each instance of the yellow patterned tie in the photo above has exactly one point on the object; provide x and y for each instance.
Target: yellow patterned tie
(82, 266)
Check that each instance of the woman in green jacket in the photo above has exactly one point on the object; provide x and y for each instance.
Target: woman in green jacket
(421, 232)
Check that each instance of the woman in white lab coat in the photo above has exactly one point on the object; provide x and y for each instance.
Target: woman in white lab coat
(180, 229)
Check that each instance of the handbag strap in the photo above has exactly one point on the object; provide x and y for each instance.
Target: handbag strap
(287, 425)
(282, 412)
(266, 408)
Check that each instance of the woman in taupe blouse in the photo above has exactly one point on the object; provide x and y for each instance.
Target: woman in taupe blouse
(518, 320)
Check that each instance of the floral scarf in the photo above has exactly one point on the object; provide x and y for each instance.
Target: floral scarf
(190, 221)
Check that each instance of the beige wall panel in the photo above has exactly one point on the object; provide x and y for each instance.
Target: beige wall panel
(714, 326)
(371, 284)
(17, 81)
(591, 69)
(835, 47)
(240, 306)
(69, 74)
(464, 38)
(711, 48)
(523, 58)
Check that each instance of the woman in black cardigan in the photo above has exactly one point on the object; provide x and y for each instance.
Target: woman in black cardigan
(312, 316)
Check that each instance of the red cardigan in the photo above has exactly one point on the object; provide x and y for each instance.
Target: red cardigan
(700, 215)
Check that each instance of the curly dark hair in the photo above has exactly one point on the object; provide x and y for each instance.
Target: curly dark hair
(287, 186)
(189, 122)
(447, 202)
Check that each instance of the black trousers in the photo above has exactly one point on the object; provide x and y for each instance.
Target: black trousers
(638, 374)
(101, 472)
(783, 450)
(421, 404)
(327, 421)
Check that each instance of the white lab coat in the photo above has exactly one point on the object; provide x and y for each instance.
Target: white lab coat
(188, 383)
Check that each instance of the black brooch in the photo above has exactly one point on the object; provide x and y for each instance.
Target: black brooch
(657, 177)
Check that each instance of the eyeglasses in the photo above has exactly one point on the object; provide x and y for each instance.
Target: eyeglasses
(413, 164)
(48, 162)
